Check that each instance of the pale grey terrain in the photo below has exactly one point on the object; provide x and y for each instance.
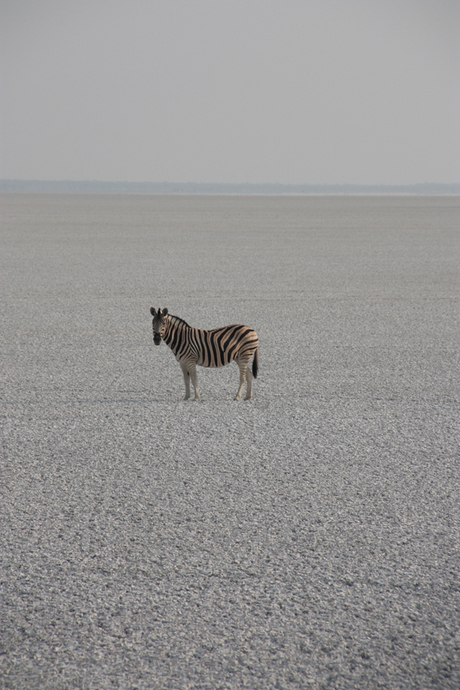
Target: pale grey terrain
(308, 538)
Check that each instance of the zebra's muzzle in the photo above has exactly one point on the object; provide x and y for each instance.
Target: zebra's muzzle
(156, 338)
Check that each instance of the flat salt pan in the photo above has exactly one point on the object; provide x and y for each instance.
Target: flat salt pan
(306, 538)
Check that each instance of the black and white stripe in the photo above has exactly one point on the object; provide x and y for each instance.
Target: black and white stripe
(215, 348)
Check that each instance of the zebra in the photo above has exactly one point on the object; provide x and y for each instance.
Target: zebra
(215, 348)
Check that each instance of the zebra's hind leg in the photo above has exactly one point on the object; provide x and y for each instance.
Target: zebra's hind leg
(249, 377)
(245, 374)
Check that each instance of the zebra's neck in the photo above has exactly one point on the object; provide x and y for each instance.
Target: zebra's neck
(178, 321)
(175, 326)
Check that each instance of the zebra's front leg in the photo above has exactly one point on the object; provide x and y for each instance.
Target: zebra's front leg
(186, 380)
(194, 377)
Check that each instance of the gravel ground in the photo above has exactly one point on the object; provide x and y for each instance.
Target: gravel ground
(308, 538)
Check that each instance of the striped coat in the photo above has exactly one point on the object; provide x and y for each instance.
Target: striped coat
(215, 348)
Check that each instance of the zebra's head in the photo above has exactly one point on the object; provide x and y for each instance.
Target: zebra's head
(158, 324)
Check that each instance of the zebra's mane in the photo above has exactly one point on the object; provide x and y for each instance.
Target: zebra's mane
(178, 321)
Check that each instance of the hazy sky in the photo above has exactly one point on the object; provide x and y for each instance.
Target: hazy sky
(289, 91)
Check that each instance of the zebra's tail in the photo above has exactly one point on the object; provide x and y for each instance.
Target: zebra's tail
(255, 363)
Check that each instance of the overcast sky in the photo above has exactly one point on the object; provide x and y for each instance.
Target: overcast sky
(287, 91)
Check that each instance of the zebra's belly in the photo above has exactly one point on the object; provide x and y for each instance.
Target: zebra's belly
(210, 364)
(204, 361)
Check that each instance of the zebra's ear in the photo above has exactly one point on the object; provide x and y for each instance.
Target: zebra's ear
(152, 311)
(165, 311)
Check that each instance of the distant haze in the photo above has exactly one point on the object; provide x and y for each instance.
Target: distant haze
(286, 91)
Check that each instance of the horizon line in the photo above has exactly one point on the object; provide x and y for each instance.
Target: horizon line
(275, 188)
